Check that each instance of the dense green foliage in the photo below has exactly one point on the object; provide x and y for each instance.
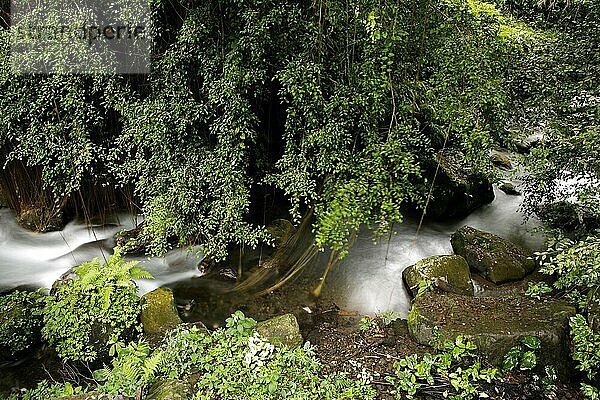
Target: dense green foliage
(586, 345)
(522, 355)
(98, 307)
(133, 366)
(46, 390)
(236, 363)
(576, 267)
(456, 373)
(20, 320)
(559, 100)
(339, 105)
(230, 363)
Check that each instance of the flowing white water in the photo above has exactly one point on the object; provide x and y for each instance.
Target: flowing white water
(369, 280)
(34, 259)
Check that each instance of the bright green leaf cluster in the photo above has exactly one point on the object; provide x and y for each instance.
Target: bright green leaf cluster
(98, 307)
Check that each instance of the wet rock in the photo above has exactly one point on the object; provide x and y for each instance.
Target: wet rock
(281, 330)
(509, 188)
(40, 219)
(130, 242)
(570, 218)
(159, 313)
(524, 145)
(20, 322)
(485, 288)
(227, 274)
(170, 389)
(448, 273)
(501, 161)
(494, 257)
(493, 324)
(458, 189)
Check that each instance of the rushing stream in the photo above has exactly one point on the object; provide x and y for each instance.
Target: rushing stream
(368, 280)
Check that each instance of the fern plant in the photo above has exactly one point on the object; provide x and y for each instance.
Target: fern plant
(133, 367)
(85, 315)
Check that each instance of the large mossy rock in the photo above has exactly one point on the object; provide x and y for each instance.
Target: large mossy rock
(458, 189)
(281, 330)
(448, 273)
(494, 257)
(170, 389)
(159, 312)
(493, 324)
(501, 160)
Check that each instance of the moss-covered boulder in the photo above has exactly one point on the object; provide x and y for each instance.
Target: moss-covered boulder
(159, 312)
(281, 330)
(170, 389)
(493, 324)
(501, 160)
(20, 322)
(498, 259)
(458, 189)
(448, 273)
(509, 188)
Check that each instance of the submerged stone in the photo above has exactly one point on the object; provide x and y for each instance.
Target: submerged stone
(448, 273)
(458, 189)
(159, 313)
(498, 259)
(281, 330)
(493, 324)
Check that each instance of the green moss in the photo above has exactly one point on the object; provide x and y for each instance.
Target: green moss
(496, 258)
(493, 324)
(159, 313)
(448, 273)
(281, 330)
